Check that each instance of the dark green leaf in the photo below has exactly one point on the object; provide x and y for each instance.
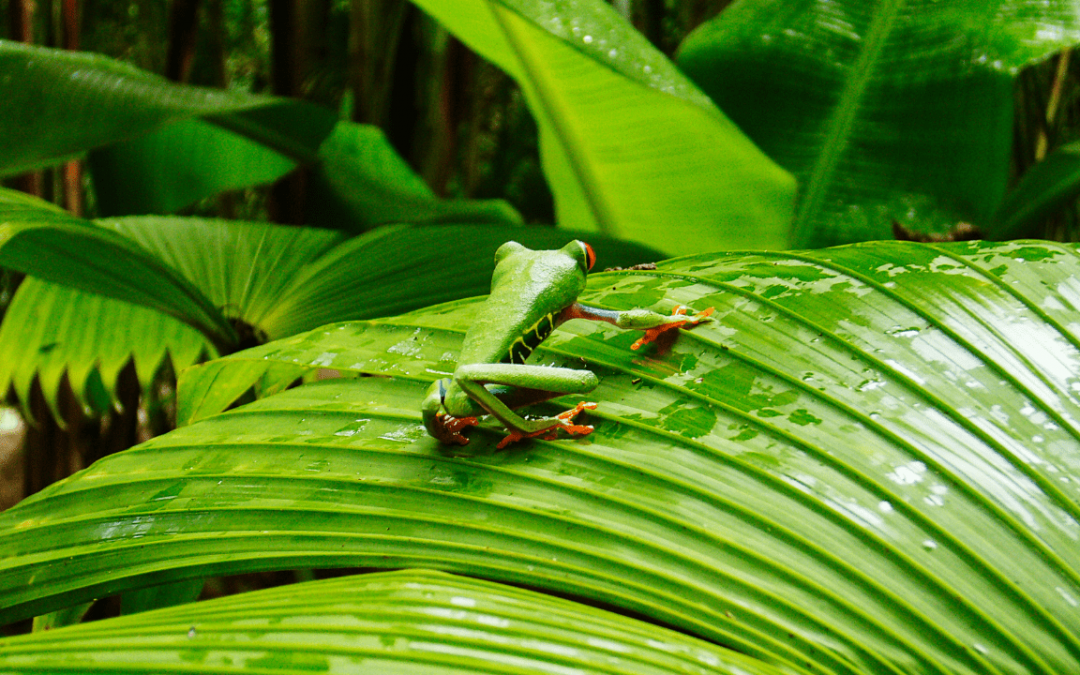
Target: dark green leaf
(1047, 187)
(880, 107)
(57, 104)
(177, 165)
(362, 182)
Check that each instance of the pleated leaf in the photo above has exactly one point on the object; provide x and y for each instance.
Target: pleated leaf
(49, 331)
(411, 621)
(41, 240)
(629, 146)
(865, 464)
(882, 109)
(279, 280)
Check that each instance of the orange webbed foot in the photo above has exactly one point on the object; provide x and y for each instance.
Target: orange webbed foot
(564, 423)
(453, 426)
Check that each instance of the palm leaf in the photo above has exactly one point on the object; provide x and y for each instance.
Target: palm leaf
(278, 280)
(883, 110)
(414, 621)
(863, 465)
(629, 146)
(42, 240)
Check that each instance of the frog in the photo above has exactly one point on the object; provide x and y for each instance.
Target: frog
(532, 294)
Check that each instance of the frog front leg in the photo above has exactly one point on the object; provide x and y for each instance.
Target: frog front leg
(539, 383)
(652, 323)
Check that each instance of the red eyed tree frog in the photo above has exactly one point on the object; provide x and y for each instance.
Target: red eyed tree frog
(532, 293)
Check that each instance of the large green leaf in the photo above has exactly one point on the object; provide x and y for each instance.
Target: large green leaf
(865, 464)
(359, 180)
(362, 182)
(278, 280)
(50, 330)
(881, 108)
(44, 241)
(630, 147)
(411, 621)
(56, 104)
(177, 165)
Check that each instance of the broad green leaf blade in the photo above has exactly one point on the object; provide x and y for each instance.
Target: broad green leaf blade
(409, 621)
(242, 267)
(878, 107)
(630, 147)
(41, 240)
(57, 104)
(177, 165)
(396, 270)
(362, 182)
(1046, 188)
(864, 464)
(52, 330)
(389, 271)
(280, 280)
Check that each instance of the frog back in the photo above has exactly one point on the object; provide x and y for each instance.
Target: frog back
(529, 291)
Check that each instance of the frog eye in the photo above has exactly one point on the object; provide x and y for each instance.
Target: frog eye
(590, 256)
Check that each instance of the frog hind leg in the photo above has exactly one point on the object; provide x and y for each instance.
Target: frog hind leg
(564, 423)
(552, 381)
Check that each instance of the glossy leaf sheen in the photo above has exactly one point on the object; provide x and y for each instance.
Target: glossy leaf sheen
(878, 105)
(865, 464)
(55, 104)
(630, 147)
(401, 622)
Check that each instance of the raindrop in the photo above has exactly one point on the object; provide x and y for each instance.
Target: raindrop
(587, 39)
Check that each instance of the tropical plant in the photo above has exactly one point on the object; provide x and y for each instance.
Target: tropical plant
(858, 468)
(864, 464)
(905, 108)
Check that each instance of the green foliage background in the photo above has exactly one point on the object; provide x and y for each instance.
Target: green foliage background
(864, 464)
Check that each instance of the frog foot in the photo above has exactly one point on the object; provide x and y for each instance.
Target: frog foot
(451, 428)
(679, 310)
(563, 423)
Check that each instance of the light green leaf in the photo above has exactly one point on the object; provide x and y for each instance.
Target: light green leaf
(41, 240)
(243, 268)
(880, 107)
(414, 621)
(50, 330)
(630, 147)
(57, 104)
(1047, 187)
(858, 467)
